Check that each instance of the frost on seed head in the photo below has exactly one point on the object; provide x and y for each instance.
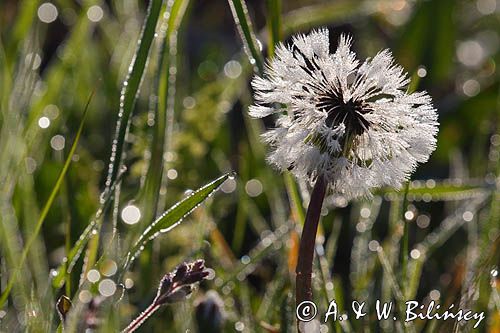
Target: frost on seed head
(352, 122)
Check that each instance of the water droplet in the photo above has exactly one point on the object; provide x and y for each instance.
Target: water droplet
(44, 122)
(172, 174)
(107, 287)
(467, 216)
(85, 296)
(131, 214)
(415, 254)
(109, 268)
(129, 283)
(245, 260)
(47, 12)
(373, 245)
(229, 185)
(232, 69)
(57, 142)
(239, 326)
(95, 13)
(365, 212)
(422, 71)
(253, 187)
(93, 275)
(409, 215)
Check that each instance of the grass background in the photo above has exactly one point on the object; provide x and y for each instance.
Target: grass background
(183, 123)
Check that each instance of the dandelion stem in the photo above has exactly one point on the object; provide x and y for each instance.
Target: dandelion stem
(306, 250)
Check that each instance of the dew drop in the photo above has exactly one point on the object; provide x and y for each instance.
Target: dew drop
(107, 287)
(131, 214)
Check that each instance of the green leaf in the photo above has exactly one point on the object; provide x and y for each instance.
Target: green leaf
(174, 216)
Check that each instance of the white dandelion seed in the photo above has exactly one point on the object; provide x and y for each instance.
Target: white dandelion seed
(353, 123)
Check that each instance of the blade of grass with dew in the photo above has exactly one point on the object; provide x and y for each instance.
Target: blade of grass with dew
(292, 190)
(332, 243)
(162, 110)
(168, 88)
(391, 245)
(174, 216)
(246, 308)
(287, 320)
(396, 289)
(362, 260)
(244, 25)
(328, 288)
(272, 294)
(440, 191)
(48, 204)
(131, 88)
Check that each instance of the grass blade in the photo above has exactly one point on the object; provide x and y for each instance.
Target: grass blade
(162, 111)
(46, 207)
(244, 25)
(130, 90)
(174, 216)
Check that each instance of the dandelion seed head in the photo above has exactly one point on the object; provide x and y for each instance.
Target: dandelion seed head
(352, 122)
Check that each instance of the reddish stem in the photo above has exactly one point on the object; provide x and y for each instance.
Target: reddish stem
(307, 243)
(137, 322)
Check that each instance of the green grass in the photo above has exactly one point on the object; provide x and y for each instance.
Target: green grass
(172, 113)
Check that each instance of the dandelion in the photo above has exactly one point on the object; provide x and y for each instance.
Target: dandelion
(346, 126)
(352, 123)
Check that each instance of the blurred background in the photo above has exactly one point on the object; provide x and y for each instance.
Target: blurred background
(54, 54)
